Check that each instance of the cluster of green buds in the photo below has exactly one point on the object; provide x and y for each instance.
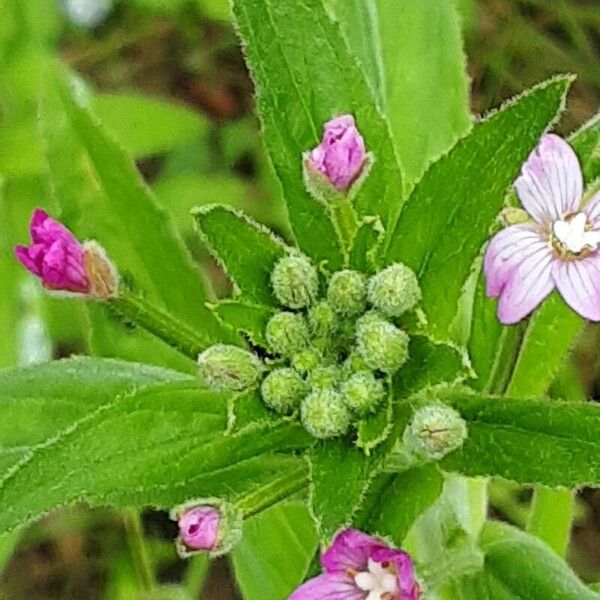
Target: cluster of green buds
(331, 355)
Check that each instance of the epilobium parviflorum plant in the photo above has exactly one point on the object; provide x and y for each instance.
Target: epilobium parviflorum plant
(334, 424)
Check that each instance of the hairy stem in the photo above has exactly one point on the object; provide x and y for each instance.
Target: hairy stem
(346, 221)
(137, 548)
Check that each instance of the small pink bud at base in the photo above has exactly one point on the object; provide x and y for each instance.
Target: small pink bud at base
(199, 528)
(341, 155)
(63, 263)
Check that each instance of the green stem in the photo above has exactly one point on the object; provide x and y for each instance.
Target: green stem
(137, 548)
(346, 220)
(551, 517)
(196, 574)
(505, 361)
(159, 323)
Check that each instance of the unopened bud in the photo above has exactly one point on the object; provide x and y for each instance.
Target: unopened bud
(434, 431)
(295, 281)
(394, 290)
(287, 333)
(324, 377)
(307, 360)
(380, 344)
(347, 292)
(363, 393)
(324, 414)
(322, 320)
(207, 526)
(224, 367)
(282, 390)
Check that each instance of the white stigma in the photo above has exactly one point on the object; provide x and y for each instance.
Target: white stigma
(378, 581)
(572, 234)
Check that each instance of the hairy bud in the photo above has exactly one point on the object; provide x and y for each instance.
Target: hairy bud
(295, 281)
(287, 333)
(363, 393)
(324, 414)
(307, 360)
(207, 526)
(324, 377)
(434, 431)
(282, 390)
(347, 292)
(322, 320)
(380, 344)
(394, 290)
(224, 367)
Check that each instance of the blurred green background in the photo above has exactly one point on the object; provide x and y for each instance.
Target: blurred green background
(168, 79)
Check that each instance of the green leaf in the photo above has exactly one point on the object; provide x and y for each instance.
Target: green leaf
(374, 429)
(300, 86)
(339, 477)
(586, 142)
(527, 568)
(250, 319)
(103, 198)
(124, 453)
(366, 246)
(247, 251)
(448, 216)
(404, 497)
(247, 409)
(529, 441)
(146, 126)
(275, 552)
(426, 83)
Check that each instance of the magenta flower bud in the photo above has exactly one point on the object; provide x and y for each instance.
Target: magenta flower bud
(63, 263)
(199, 528)
(341, 156)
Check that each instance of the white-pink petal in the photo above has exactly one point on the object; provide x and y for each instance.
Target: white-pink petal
(578, 281)
(528, 286)
(506, 251)
(551, 184)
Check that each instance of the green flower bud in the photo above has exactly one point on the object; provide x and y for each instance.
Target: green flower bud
(353, 364)
(324, 377)
(307, 360)
(224, 367)
(282, 390)
(434, 431)
(363, 393)
(322, 320)
(380, 344)
(287, 333)
(324, 414)
(295, 281)
(394, 290)
(347, 292)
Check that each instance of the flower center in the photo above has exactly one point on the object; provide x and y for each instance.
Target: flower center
(379, 581)
(573, 238)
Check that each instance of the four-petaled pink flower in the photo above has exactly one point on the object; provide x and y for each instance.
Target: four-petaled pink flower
(557, 248)
(56, 256)
(341, 155)
(360, 567)
(199, 528)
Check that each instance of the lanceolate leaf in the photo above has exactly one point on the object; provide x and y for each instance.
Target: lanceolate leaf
(156, 446)
(248, 251)
(276, 550)
(528, 441)
(586, 142)
(448, 216)
(426, 84)
(300, 86)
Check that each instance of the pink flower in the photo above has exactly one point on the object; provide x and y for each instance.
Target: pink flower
(557, 248)
(341, 155)
(361, 567)
(55, 256)
(199, 528)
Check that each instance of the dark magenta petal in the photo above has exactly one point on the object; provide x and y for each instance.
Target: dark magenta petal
(350, 549)
(335, 586)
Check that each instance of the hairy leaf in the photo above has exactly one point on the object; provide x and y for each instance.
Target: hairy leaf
(250, 319)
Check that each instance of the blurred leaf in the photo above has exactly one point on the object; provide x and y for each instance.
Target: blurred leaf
(123, 450)
(275, 552)
(448, 216)
(528, 441)
(527, 568)
(21, 150)
(299, 88)
(146, 126)
(246, 250)
(425, 79)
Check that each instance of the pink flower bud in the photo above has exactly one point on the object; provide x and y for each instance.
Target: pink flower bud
(63, 263)
(341, 155)
(199, 528)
